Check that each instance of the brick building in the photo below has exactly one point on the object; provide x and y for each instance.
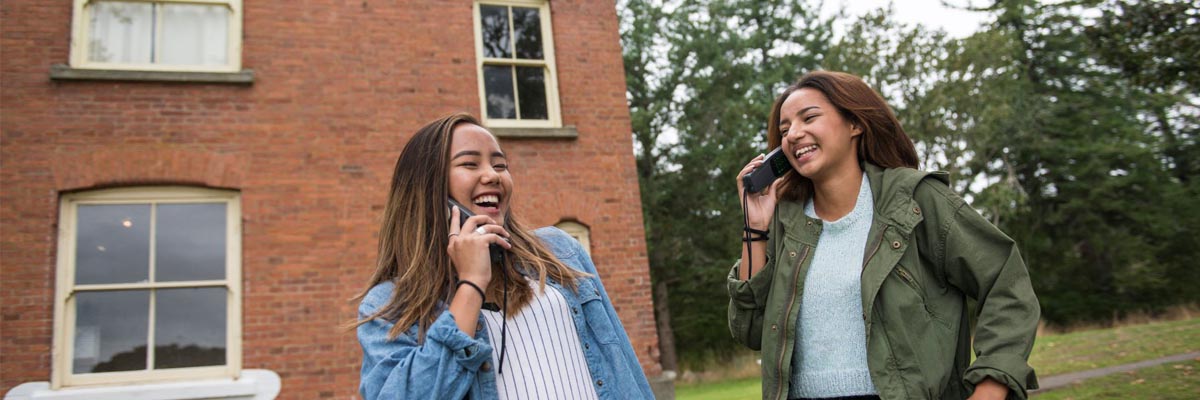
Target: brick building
(190, 191)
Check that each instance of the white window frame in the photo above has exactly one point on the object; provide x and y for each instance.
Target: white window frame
(553, 109)
(80, 43)
(64, 305)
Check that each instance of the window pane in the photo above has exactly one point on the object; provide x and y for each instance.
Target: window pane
(498, 84)
(110, 331)
(190, 327)
(527, 32)
(112, 243)
(121, 32)
(493, 25)
(195, 34)
(189, 242)
(531, 86)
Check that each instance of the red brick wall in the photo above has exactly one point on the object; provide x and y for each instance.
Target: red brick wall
(339, 87)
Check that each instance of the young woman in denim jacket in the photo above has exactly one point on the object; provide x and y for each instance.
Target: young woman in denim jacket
(548, 329)
(862, 265)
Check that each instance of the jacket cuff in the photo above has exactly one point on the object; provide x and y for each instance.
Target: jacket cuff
(740, 292)
(468, 351)
(1011, 370)
(752, 293)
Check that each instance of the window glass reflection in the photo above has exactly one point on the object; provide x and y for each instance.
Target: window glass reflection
(527, 32)
(112, 243)
(195, 34)
(498, 85)
(110, 331)
(531, 87)
(493, 26)
(190, 327)
(121, 32)
(189, 242)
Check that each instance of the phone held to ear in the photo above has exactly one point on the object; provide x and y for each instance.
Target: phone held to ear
(774, 166)
(496, 252)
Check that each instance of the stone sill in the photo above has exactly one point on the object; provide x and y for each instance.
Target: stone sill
(65, 72)
(254, 384)
(566, 132)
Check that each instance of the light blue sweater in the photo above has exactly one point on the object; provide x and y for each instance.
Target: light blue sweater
(831, 348)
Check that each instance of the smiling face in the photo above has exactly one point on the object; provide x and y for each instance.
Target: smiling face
(479, 177)
(818, 141)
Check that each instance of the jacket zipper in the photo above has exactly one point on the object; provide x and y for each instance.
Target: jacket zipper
(788, 313)
(916, 287)
(867, 327)
(909, 280)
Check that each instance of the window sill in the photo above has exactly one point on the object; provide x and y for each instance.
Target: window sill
(254, 384)
(65, 72)
(566, 132)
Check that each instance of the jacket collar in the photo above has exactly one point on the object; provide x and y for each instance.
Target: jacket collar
(892, 192)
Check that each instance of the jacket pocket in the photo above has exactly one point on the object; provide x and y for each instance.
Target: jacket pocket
(912, 282)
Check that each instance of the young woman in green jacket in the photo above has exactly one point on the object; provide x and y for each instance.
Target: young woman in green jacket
(857, 267)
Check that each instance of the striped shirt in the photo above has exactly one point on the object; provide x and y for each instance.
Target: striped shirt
(544, 356)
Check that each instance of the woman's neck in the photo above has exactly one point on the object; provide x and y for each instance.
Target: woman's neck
(835, 195)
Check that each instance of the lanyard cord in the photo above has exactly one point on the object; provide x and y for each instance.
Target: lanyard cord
(746, 235)
(503, 312)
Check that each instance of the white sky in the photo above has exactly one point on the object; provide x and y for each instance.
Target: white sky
(931, 13)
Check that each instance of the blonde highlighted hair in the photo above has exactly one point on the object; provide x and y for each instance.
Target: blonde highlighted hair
(414, 236)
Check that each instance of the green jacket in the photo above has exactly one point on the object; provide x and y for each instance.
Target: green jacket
(928, 251)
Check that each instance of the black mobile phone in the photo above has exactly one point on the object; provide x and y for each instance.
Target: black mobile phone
(496, 252)
(774, 166)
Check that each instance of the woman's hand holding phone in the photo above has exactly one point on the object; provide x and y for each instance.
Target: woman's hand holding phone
(468, 247)
(760, 207)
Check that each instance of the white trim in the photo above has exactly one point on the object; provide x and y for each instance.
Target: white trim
(81, 26)
(253, 384)
(64, 306)
(553, 106)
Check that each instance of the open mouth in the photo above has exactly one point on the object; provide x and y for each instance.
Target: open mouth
(489, 203)
(805, 151)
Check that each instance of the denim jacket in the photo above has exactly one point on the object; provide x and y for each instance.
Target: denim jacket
(453, 365)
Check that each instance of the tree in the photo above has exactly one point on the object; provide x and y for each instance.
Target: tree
(1101, 207)
(701, 76)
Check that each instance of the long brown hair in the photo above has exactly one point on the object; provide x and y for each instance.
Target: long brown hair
(882, 142)
(414, 236)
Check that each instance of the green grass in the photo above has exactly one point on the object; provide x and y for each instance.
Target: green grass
(1063, 353)
(1084, 350)
(1178, 381)
(741, 389)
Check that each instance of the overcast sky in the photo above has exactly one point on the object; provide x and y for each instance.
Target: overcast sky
(931, 13)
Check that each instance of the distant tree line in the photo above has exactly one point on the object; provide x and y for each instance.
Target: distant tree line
(1072, 125)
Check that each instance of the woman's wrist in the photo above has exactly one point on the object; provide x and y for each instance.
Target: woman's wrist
(480, 280)
(470, 287)
(754, 235)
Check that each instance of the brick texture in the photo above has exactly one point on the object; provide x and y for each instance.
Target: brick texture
(339, 87)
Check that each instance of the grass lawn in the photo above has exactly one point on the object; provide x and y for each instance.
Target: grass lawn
(1084, 350)
(1070, 352)
(1178, 381)
(742, 389)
